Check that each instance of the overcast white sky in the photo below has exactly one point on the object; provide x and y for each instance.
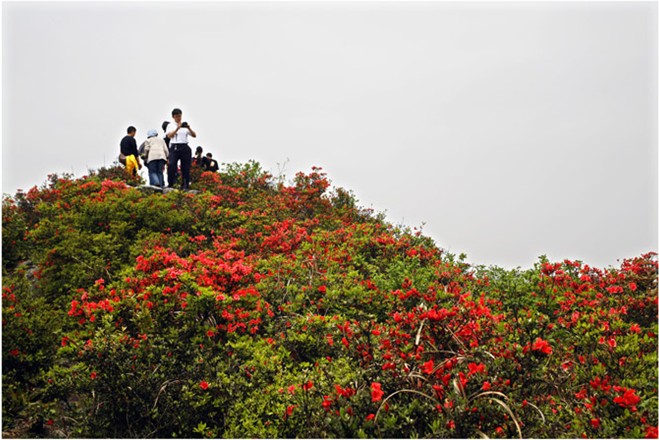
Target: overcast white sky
(511, 130)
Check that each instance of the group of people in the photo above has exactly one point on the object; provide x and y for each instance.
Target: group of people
(206, 162)
(170, 150)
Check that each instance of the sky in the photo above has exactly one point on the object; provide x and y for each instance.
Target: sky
(505, 131)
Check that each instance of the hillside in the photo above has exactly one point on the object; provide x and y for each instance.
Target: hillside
(261, 308)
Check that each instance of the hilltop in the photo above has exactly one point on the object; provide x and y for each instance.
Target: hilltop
(263, 308)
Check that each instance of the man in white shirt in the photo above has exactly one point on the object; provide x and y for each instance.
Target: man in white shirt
(178, 133)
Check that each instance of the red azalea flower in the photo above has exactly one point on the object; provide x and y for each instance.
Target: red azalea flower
(439, 390)
(289, 410)
(203, 384)
(370, 417)
(595, 423)
(651, 432)
(93, 375)
(307, 386)
(486, 386)
(376, 392)
(628, 398)
(345, 392)
(476, 368)
(542, 346)
(428, 367)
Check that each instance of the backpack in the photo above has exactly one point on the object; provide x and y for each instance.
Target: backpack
(142, 152)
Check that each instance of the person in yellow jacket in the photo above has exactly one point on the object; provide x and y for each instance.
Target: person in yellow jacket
(128, 147)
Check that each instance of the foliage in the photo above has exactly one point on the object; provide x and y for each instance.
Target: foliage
(257, 308)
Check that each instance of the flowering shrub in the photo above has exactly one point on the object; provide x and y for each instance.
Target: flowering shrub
(261, 309)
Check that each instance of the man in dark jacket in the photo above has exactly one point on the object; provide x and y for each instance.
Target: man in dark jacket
(164, 129)
(210, 164)
(128, 147)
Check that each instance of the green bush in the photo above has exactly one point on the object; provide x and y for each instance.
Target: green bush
(257, 308)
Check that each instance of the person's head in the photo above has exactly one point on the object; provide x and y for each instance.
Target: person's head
(176, 114)
(199, 150)
(152, 133)
(131, 131)
(164, 125)
(209, 155)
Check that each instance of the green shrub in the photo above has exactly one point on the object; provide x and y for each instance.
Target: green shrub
(257, 308)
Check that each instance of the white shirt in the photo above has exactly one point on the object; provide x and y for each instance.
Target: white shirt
(181, 136)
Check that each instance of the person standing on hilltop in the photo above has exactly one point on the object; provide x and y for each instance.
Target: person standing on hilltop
(179, 150)
(128, 148)
(155, 153)
(164, 129)
(198, 157)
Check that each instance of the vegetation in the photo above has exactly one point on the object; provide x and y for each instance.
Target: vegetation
(260, 308)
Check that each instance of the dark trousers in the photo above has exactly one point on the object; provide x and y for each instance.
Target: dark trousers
(183, 153)
(155, 172)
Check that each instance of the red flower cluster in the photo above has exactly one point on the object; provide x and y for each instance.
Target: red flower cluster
(628, 398)
(376, 392)
(542, 346)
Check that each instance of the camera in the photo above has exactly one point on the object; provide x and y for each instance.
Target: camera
(185, 125)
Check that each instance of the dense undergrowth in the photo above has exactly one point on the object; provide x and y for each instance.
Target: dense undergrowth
(260, 308)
